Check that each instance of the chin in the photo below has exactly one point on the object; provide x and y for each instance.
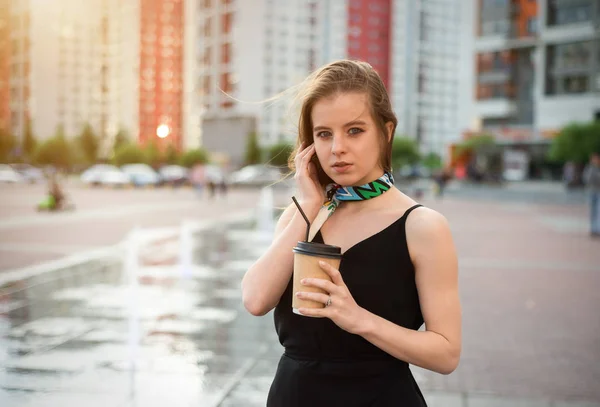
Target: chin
(346, 179)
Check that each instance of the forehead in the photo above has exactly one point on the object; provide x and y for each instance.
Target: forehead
(341, 108)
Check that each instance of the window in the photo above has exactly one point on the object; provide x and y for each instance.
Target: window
(562, 12)
(532, 25)
(225, 53)
(207, 27)
(227, 21)
(573, 55)
(575, 84)
(569, 68)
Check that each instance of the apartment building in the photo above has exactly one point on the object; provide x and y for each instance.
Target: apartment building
(538, 66)
(425, 71)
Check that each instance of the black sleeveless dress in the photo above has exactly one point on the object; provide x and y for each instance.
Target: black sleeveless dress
(322, 364)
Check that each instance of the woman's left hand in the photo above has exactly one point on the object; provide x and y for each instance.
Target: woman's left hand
(340, 307)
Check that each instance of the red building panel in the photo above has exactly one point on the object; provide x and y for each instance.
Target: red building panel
(161, 71)
(369, 34)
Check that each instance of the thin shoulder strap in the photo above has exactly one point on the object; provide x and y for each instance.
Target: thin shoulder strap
(409, 210)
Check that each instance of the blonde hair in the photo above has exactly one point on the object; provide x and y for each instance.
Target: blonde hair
(346, 76)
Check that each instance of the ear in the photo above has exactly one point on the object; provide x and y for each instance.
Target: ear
(389, 128)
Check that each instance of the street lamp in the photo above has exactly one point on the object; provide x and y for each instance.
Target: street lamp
(163, 131)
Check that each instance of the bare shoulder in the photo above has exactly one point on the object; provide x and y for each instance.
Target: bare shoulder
(425, 221)
(427, 231)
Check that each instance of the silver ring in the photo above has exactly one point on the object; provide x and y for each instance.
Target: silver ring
(328, 303)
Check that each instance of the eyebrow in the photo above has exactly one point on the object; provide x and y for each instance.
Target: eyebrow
(352, 123)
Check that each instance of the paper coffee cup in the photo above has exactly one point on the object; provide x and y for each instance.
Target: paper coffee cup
(306, 265)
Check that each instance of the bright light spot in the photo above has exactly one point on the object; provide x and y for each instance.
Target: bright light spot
(163, 131)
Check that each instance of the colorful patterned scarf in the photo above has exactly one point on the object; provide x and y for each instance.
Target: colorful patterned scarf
(337, 194)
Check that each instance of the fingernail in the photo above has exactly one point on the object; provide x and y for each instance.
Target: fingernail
(303, 281)
(322, 263)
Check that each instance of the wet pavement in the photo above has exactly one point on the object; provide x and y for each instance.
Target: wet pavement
(69, 338)
(89, 335)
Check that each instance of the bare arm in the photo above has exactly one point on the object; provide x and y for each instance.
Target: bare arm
(266, 280)
(436, 266)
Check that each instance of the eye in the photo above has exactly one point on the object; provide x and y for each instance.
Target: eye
(355, 130)
(323, 134)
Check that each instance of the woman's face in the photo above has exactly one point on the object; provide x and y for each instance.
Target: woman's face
(347, 140)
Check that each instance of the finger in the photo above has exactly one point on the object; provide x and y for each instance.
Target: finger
(313, 312)
(318, 297)
(306, 158)
(301, 163)
(304, 151)
(320, 283)
(334, 273)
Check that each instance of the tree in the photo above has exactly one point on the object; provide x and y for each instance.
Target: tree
(171, 155)
(128, 154)
(252, 149)
(432, 161)
(8, 143)
(576, 142)
(193, 157)
(121, 138)
(475, 144)
(153, 156)
(88, 144)
(278, 154)
(404, 152)
(29, 141)
(55, 151)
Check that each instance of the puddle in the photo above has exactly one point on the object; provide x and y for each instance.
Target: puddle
(71, 336)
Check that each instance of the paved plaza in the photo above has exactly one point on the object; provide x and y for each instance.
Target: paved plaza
(529, 278)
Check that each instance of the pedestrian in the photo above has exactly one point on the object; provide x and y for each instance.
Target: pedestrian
(592, 181)
(441, 180)
(198, 178)
(398, 269)
(569, 175)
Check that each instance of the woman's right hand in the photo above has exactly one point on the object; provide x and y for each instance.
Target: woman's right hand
(310, 192)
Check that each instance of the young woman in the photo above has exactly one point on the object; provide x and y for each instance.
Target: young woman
(398, 269)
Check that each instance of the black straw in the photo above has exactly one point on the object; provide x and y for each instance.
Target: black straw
(304, 216)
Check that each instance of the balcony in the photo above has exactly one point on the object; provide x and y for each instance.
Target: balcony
(496, 108)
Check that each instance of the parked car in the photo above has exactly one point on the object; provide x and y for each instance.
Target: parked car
(255, 175)
(174, 174)
(105, 174)
(10, 175)
(141, 174)
(29, 173)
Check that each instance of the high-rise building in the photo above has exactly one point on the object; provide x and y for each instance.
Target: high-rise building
(161, 56)
(62, 67)
(424, 70)
(249, 52)
(412, 44)
(19, 58)
(537, 66)
(5, 54)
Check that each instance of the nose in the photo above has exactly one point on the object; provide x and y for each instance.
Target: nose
(338, 145)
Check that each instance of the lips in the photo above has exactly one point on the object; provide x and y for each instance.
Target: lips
(341, 167)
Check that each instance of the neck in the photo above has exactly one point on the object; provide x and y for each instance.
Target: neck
(370, 204)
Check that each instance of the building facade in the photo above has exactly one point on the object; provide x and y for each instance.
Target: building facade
(63, 67)
(5, 64)
(161, 56)
(537, 67)
(251, 55)
(414, 46)
(426, 56)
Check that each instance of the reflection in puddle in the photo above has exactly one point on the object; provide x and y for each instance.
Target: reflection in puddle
(67, 335)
